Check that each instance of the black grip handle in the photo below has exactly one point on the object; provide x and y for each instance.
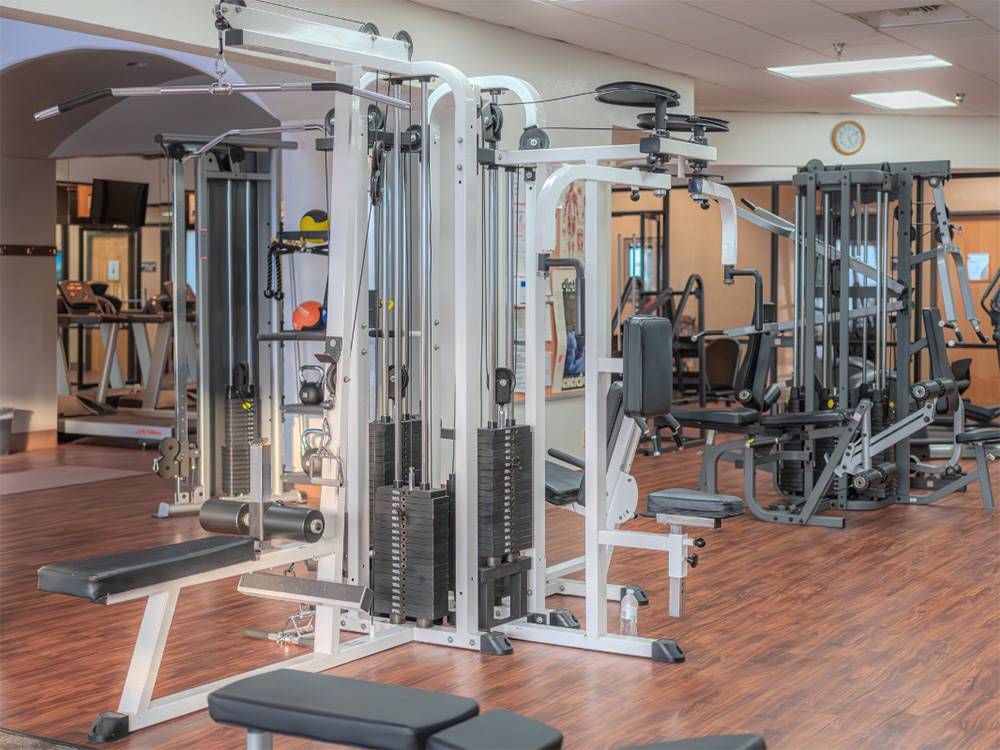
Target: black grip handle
(567, 458)
(343, 88)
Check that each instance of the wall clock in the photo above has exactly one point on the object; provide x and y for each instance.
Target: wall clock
(848, 137)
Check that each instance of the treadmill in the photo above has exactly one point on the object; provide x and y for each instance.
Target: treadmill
(93, 415)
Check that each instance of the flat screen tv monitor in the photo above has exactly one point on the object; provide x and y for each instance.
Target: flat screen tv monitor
(117, 202)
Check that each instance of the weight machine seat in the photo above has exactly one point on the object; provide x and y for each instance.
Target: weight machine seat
(716, 419)
(682, 501)
(980, 435)
(717, 742)
(338, 709)
(803, 419)
(495, 729)
(562, 484)
(96, 578)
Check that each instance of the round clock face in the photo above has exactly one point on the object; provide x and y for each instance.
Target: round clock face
(848, 137)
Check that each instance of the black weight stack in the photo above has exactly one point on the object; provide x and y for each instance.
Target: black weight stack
(382, 458)
(505, 514)
(791, 474)
(411, 537)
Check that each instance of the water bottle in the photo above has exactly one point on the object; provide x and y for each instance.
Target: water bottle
(629, 624)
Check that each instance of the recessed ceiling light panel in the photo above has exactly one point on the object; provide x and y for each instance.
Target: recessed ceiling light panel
(854, 67)
(912, 99)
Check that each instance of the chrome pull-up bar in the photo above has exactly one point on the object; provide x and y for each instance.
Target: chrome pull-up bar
(218, 88)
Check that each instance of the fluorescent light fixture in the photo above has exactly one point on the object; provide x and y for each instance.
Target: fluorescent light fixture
(912, 99)
(853, 67)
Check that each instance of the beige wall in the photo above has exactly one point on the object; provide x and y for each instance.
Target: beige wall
(27, 296)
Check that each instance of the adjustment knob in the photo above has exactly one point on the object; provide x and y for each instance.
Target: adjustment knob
(699, 542)
(692, 560)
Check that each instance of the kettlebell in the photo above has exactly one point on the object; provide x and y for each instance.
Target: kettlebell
(312, 459)
(310, 391)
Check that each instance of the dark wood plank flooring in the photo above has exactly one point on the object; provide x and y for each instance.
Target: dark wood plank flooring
(881, 635)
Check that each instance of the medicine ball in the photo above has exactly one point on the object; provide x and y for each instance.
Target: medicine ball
(309, 316)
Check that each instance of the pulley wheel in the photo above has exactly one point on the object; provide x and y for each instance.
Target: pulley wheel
(635, 94)
(405, 38)
(685, 123)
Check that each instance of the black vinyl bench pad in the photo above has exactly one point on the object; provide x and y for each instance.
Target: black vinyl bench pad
(497, 729)
(716, 419)
(338, 709)
(980, 435)
(96, 578)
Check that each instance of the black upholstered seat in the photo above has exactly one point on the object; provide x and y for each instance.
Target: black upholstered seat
(562, 484)
(981, 435)
(803, 419)
(717, 419)
(687, 502)
(95, 578)
(338, 709)
(718, 742)
(497, 730)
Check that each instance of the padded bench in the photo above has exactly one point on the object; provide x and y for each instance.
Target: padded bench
(96, 578)
(980, 435)
(724, 420)
(681, 501)
(357, 713)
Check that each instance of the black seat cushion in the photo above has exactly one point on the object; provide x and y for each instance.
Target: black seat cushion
(685, 502)
(498, 730)
(718, 419)
(982, 435)
(95, 578)
(562, 484)
(718, 742)
(803, 419)
(338, 709)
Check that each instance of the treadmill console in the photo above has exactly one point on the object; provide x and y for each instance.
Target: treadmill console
(78, 296)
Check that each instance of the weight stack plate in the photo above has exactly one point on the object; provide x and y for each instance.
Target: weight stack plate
(382, 458)
(505, 507)
(240, 429)
(411, 540)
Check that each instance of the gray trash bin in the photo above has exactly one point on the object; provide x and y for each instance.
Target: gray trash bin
(6, 422)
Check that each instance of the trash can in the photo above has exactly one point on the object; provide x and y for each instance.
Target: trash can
(6, 422)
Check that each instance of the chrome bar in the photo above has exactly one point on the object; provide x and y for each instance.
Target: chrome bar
(426, 295)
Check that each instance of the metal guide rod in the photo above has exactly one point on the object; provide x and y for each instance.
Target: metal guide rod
(230, 322)
(511, 266)
(861, 231)
(178, 273)
(397, 319)
(206, 476)
(248, 257)
(277, 310)
(795, 289)
(886, 270)
(879, 343)
(492, 261)
(827, 371)
(384, 290)
(426, 295)
(405, 295)
(217, 88)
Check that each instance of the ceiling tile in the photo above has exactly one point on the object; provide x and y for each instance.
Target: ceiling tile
(984, 10)
(933, 31)
(784, 18)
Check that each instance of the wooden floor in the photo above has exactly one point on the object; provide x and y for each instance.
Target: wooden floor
(881, 635)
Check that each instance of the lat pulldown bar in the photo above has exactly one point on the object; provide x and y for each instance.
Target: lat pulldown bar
(218, 88)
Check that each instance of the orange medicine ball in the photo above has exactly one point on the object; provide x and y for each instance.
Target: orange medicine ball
(308, 316)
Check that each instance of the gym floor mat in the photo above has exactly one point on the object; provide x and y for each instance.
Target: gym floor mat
(32, 480)
(11, 740)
